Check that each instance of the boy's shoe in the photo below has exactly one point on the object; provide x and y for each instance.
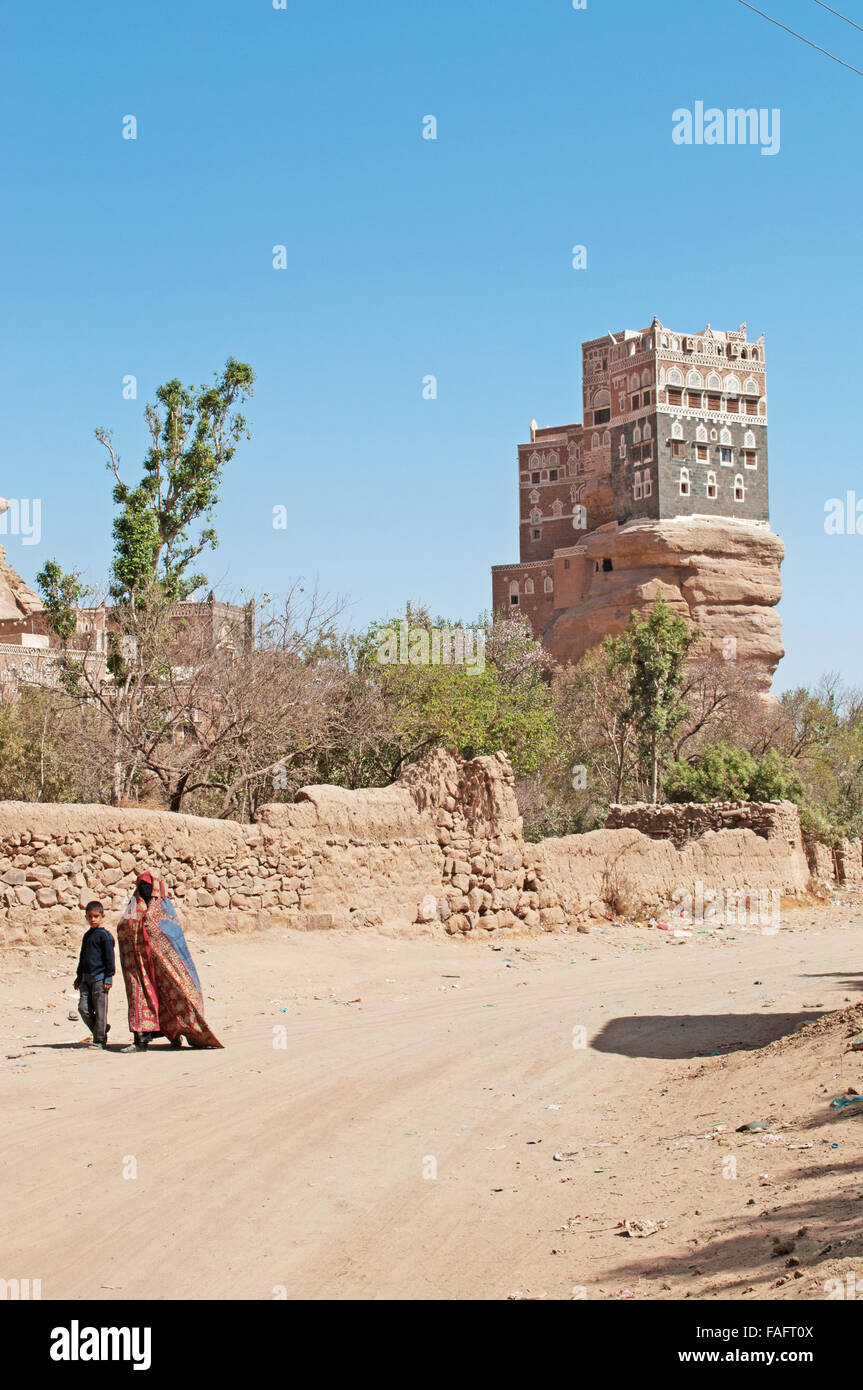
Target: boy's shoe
(133, 1047)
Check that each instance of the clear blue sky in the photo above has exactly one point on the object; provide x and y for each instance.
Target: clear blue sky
(406, 257)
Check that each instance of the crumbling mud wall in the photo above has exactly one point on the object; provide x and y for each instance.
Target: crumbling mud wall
(442, 847)
(772, 820)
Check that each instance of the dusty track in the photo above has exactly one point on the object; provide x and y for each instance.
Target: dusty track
(305, 1167)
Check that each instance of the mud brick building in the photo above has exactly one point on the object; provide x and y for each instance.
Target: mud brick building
(666, 473)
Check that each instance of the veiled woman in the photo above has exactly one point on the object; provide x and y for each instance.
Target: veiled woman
(162, 984)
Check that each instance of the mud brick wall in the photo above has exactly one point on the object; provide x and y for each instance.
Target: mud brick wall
(442, 848)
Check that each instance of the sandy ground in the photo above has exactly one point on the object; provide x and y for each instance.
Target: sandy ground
(448, 1119)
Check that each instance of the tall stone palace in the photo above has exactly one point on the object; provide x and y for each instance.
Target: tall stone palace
(660, 492)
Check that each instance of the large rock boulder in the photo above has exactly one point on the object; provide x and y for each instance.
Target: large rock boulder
(721, 574)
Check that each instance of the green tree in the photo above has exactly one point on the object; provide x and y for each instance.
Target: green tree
(193, 434)
(652, 652)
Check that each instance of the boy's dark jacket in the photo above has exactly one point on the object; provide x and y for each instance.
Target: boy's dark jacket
(96, 961)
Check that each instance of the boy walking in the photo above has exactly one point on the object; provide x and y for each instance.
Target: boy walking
(95, 974)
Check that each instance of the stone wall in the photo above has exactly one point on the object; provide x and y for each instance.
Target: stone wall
(443, 847)
(680, 823)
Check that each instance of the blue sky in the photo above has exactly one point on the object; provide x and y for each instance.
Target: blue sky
(406, 256)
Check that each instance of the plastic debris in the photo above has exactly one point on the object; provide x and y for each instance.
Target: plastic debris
(754, 1127)
(840, 1102)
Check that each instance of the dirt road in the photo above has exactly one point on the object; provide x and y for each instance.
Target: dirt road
(403, 1146)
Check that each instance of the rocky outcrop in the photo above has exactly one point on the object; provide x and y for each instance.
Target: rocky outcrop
(718, 573)
(17, 599)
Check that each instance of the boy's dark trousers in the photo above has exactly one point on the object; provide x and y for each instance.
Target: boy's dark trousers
(93, 1008)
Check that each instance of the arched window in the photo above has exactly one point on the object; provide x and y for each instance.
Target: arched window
(554, 456)
(528, 586)
(534, 495)
(622, 449)
(750, 386)
(684, 482)
(725, 436)
(548, 585)
(675, 377)
(606, 438)
(647, 432)
(535, 460)
(701, 434)
(513, 591)
(646, 377)
(602, 397)
(749, 440)
(647, 483)
(711, 485)
(714, 382)
(636, 435)
(739, 489)
(557, 508)
(676, 430)
(536, 515)
(665, 340)
(732, 385)
(594, 441)
(634, 382)
(636, 487)
(694, 378)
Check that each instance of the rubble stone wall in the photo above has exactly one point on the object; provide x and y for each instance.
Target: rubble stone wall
(772, 820)
(442, 847)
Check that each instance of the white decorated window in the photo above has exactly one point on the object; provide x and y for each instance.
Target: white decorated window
(647, 482)
(751, 387)
(749, 440)
(548, 585)
(714, 382)
(725, 436)
(677, 430)
(684, 482)
(606, 438)
(636, 435)
(594, 441)
(637, 487)
(528, 586)
(711, 485)
(732, 385)
(675, 377)
(701, 434)
(557, 508)
(647, 432)
(694, 378)
(739, 489)
(536, 515)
